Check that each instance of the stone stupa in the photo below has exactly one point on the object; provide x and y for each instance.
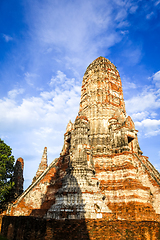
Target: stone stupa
(101, 171)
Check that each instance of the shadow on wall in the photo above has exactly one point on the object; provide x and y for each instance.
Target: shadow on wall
(61, 207)
(63, 198)
(30, 228)
(64, 220)
(69, 203)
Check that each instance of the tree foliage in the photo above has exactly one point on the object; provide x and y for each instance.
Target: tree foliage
(6, 172)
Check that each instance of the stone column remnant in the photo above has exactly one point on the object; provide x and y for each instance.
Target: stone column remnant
(18, 177)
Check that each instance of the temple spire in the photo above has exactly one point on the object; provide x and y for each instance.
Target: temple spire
(43, 164)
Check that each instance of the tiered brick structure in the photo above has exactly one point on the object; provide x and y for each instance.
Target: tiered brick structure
(101, 172)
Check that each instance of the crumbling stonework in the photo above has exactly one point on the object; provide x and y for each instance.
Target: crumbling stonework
(43, 165)
(18, 177)
(101, 172)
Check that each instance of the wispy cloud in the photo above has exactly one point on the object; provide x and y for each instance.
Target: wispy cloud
(150, 15)
(133, 9)
(13, 93)
(140, 115)
(40, 121)
(30, 78)
(157, 3)
(144, 109)
(61, 81)
(152, 126)
(80, 30)
(146, 100)
(7, 38)
(156, 78)
(150, 123)
(129, 85)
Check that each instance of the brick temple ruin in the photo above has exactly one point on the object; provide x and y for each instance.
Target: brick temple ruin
(101, 172)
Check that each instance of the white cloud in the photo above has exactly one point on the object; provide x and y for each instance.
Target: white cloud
(129, 85)
(150, 127)
(149, 123)
(60, 78)
(31, 113)
(144, 109)
(139, 115)
(148, 99)
(39, 121)
(156, 78)
(13, 93)
(121, 15)
(153, 114)
(7, 37)
(60, 81)
(47, 95)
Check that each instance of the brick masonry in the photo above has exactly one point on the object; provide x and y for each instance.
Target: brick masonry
(30, 228)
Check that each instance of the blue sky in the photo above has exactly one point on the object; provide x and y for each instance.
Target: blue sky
(45, 48)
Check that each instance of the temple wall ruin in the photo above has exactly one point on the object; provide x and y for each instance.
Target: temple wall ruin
(101, 186)
(29, 228)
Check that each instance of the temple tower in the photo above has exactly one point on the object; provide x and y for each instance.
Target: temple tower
(101, 93)
(101, 171)
(105, 160)
(103, 104)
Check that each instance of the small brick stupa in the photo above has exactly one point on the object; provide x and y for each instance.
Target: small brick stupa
(101, 172)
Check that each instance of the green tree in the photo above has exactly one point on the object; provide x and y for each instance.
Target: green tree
(6, 173)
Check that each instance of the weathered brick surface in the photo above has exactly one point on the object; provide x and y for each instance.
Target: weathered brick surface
(29, 228)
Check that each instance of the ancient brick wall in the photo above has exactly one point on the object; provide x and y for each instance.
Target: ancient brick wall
(29, 228)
